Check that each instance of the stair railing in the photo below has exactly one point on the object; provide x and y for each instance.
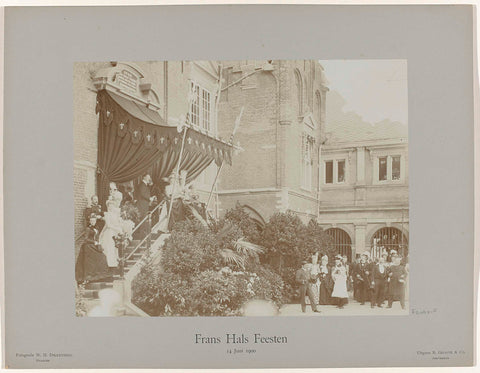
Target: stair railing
(147, 238)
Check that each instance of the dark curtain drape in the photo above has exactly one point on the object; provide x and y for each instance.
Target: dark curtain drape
(129, 147)
(191, 162)
(194, 165)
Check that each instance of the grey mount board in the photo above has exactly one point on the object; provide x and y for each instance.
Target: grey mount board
(41, 45)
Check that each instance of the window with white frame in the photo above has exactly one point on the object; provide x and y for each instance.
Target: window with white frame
(201, 108)
(335, 171)
(389, 168)
(307, 162)
(328, 172)
(396, 160)
(382, 168)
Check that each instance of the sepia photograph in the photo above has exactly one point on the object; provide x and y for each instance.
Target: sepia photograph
(241, 188)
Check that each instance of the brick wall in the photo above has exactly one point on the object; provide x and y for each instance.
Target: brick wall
(172, 91)
(271, 130)
(85, 133)
(265, 203)
(255, 167)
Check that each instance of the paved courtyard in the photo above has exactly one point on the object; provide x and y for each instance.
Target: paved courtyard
(353, 308)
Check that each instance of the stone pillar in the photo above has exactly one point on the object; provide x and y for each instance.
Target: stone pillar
(360, 244)
(389, 167)
(360, 166)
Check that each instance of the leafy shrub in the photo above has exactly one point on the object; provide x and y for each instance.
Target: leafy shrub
(268, 285)
(80, 305)
(241, 219)
(190, 251)
(146, 287)
(288, 241)
(197, 275)
(283, 237)
(290, 291)
(317, 240)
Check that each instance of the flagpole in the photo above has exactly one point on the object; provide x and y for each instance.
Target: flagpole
(177, 172)
(213, 185)
(237, 123)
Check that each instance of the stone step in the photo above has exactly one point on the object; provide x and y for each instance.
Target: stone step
(130, 263)
(129, 249)
(90, 294)
(140, 249)
(99, 285)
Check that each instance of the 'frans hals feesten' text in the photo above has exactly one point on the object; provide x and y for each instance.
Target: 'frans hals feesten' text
(240, 339)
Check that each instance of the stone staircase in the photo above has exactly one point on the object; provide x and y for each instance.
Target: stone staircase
(90, 294)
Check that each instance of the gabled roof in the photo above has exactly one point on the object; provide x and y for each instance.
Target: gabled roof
(350, 130)
(348, 126)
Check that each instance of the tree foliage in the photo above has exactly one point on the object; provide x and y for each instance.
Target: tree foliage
(241, 219)
(206, 271)
(288, 241)
(215, 270)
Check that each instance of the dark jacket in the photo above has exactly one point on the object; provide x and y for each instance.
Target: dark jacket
(94, 209)
(362, 273)
(142, 195)
(397, 276)
(302, 277)
(377, 275)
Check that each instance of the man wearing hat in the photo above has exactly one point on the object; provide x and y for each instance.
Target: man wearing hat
(143, 198)
(362, 278)
(378, 280)
(305, 280)
(96, 210)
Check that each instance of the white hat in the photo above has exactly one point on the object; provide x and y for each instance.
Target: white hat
(366, 253)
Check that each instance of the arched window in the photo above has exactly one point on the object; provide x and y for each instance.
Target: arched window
(317, 110)
(299, 89)
(341, 241)
(388, 238)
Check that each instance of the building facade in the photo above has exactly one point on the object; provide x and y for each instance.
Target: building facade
(352, 180)
(280, 130)
(351, 177)
(165, 87)
(364, 195)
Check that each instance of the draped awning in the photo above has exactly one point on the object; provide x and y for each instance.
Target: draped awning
(134, 140)
(137, 110)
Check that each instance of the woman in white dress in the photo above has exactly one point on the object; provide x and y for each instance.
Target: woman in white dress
(339, 276)
(113, 226)
(315, 275)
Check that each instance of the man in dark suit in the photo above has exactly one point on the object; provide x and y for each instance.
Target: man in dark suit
(361, 277)
(305, 280)
(143, 198)
(95, 209)
(378, 280)
(396, 280)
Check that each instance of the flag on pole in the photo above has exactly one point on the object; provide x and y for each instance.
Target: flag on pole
(237, 124)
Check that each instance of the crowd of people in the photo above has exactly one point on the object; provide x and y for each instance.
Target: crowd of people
(375, 281)
(98, 258)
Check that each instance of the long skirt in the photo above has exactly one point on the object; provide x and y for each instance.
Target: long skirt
(91, 264)
(325, 294)
(108, 245)
(340, 288)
